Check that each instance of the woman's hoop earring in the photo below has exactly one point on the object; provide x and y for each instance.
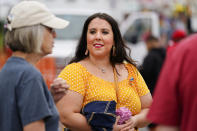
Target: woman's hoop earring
(113, 50)
(86, 53)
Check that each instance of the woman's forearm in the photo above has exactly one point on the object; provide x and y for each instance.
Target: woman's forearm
(140, 118)
(35, 126)
(75, 122)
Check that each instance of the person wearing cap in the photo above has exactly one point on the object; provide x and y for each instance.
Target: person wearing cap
(25, 101)
(177, 36)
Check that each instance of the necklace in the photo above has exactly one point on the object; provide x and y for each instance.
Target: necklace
(101, 69)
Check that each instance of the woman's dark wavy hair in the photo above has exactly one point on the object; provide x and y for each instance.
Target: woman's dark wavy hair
(120, 47)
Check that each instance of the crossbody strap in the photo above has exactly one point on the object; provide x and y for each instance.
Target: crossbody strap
(116, 82)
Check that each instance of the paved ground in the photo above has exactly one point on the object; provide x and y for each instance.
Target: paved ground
(143, 129)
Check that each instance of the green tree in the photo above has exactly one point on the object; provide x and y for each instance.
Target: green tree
(1, 34)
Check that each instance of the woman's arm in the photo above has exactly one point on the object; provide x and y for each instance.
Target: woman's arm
(35, 126)
(140, 120)
(69, 108)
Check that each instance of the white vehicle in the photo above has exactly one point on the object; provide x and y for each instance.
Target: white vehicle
(135, 28)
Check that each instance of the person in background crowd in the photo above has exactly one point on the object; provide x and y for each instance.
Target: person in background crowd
(100, 72)
(152, 65)
(177, 36)
(180, 17)
(153, 62)
(25, 101)
(174, 106)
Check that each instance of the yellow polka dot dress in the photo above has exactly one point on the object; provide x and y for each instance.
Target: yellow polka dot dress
(94, 88)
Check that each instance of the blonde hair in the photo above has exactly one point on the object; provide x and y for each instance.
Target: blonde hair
(25, 39)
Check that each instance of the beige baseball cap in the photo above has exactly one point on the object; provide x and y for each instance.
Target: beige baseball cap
(28, 13)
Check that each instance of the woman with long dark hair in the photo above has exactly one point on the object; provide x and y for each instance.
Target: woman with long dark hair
(102, 74)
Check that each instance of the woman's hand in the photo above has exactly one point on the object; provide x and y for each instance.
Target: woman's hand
(128, 126)
(132, 122)
(58, 89)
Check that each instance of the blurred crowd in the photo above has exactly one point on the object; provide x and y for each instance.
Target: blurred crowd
(175, 25)
(173, 19)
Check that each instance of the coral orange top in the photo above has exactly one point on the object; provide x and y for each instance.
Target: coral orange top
(94, 88)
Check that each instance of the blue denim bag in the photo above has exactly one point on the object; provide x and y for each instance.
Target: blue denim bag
(100, 115)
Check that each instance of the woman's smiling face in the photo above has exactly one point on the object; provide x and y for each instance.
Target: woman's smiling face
(100, 38)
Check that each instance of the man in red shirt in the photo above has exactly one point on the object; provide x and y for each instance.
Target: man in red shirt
(175, 100)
